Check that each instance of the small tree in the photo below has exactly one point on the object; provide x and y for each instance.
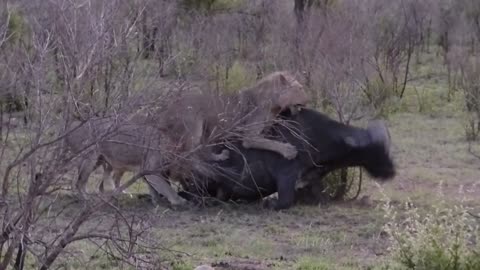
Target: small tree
(76, 59)
(396, 32)
(469, 83)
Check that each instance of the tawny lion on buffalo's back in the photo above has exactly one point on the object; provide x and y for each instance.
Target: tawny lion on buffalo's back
(249, 110)
(191, 119)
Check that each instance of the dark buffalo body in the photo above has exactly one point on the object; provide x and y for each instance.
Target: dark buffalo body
(323, 145)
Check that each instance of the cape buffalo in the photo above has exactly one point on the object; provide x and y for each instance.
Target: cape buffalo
(323, 145)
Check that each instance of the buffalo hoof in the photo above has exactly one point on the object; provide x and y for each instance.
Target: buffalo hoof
(269, 203)
(274, 204)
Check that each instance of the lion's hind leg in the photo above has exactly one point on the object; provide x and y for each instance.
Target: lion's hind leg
(253, 139)
(287, 150)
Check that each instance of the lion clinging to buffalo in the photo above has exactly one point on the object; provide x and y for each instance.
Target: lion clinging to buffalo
(185, 124)
(196, 120)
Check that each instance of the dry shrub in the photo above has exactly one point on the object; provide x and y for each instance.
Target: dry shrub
(446, 237)
(344, 184)
(467, 68)
(76, 61)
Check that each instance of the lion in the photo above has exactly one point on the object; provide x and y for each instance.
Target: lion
(126, 146)
(193, 117)
(191, 120)
(270, 96)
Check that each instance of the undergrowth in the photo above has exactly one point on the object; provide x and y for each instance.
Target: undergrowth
(446, 237)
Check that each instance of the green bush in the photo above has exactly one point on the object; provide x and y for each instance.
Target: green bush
(381, 95)
(342, 184)
(210, 5)
(339, 185)
(424, 100)
(184, 62)
(181, 265)
(233, 78)
(446, 238)
(471, 123)
(306, 263)
(226, 4)
(17, 27)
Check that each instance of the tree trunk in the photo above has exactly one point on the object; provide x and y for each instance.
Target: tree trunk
(407, 68)
(163, 53)
(342, 185)
(146, 36)
(446, 47)
(299, 9)
(1, 120)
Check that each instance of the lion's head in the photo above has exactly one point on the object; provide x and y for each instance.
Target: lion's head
(283, 90)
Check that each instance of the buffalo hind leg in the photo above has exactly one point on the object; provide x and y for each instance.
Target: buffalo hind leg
(286, 180)
(286, 194)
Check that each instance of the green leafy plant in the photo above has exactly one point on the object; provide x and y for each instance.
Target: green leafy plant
(306, 263)
(445, 238)
(232, 78)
